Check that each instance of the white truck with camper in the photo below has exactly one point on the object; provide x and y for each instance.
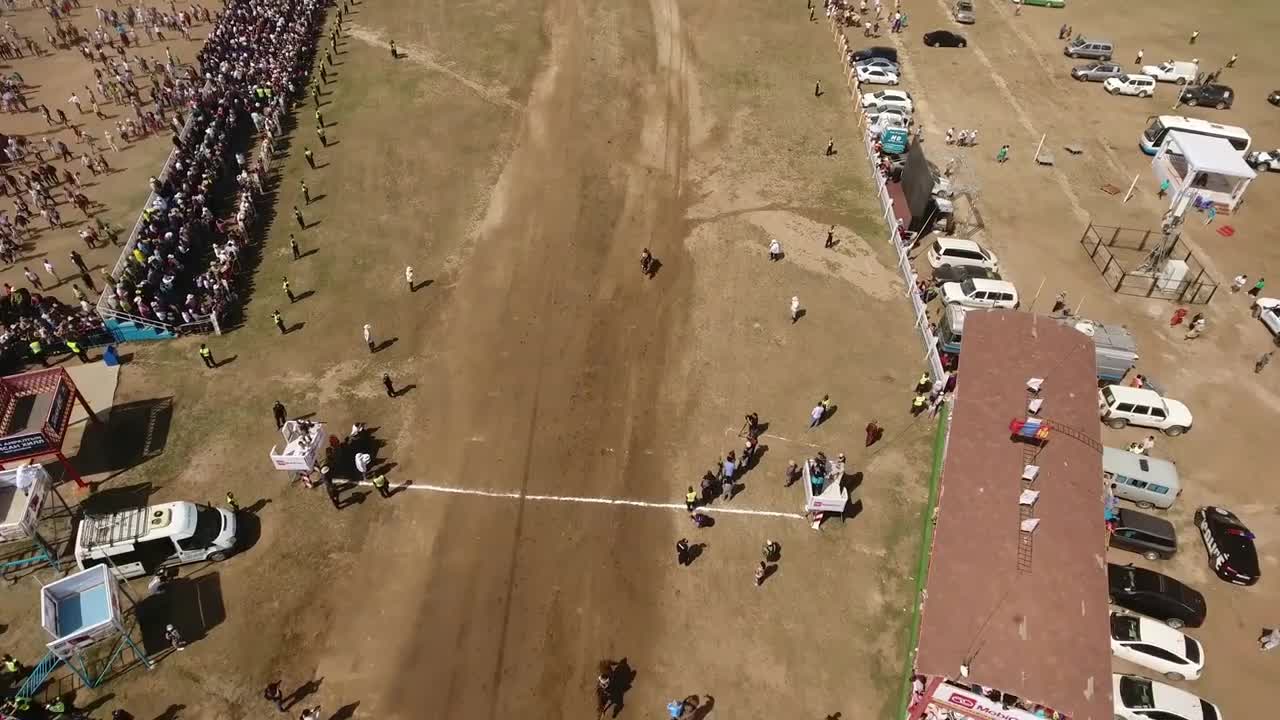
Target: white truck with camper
(140, 541)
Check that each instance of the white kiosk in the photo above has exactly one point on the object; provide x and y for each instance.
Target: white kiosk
(303, 440)
(824, 489)
(80, 611)
(24, 495)
(1202, 169)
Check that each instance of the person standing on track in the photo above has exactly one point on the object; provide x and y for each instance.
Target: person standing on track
(386, 383)
(368, 336)
(682, 551)
(278, 412)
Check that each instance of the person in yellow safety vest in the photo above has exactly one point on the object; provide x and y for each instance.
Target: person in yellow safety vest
(925, 382)
(207, 356)
(380, 484)
(690, 499)
(10, 665)
(79, 352)
(37, 352)
(57, 708)
(918, 403)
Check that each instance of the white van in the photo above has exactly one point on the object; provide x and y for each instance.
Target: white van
(977, 293)
(1141, 85)
(963, 253)
(139, 541)
(1174, 71)
(1147, 481)
(1119, 405)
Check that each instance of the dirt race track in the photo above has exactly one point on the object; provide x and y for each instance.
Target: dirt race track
(519, 157)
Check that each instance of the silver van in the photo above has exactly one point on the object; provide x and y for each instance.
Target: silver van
(1083, 47)
(1147, 481)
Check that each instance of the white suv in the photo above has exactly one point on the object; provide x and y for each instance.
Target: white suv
(1119, 406)
(978, 293)
(1143, 86)
(964, 253)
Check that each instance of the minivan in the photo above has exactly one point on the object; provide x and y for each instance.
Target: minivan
(140, 541)
(1144, 86)
(955, 251)
(974, 293)
(1147, 481)
(1086, 48)
(1120, 405)
(1151, 537)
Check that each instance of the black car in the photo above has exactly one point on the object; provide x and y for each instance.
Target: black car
(1147, 535)
(876, 51)
(1209, 94)
(944, 38)
(1229, 544)
(960, 273)
(1158, 596)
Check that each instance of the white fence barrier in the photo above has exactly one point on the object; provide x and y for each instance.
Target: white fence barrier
(890, 218)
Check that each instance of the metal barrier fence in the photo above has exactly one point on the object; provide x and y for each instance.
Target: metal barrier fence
(105, 311)
(890, 218)
(1195, 286)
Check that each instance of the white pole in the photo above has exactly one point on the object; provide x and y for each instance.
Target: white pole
(1038, 147)
(1078, 306)
(1037, 297)
(1132, 185)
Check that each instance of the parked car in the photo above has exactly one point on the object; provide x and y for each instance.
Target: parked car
(944, 38)
(888, 98)
(1152, 537)
(960, 273)
(1229, 544)
(963, 13)
(875, 113)
(876, 76)
(1137, 698)
(1211, 95)
(875, 51)
(1121, 405)
(1174, 71)
(957, 251)
(1143, 86)
(1157, 596)
(1082, 47)
(981, 294)
(1096, 71)
(1268, 160)
(1156, 646)
(1268, 311)
(879, 62)
(1046, 3)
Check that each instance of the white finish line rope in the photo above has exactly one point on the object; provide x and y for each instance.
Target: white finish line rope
(515, 495)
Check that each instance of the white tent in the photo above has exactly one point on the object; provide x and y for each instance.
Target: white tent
(1204, 168)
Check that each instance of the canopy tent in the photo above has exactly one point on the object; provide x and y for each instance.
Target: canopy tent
(1202, 169)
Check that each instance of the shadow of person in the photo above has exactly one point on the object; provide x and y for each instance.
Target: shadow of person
(257, 506)
(346, 712)
(702, 711)
(171, 712)
(695, 552)
(302, 692)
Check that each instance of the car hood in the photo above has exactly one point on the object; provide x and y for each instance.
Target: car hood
(1179, 414)
(951, 292)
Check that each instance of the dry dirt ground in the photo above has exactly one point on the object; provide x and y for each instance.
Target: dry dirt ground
(519, 156)
(1011, 84)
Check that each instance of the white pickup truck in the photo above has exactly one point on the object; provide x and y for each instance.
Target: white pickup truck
(1174, 71)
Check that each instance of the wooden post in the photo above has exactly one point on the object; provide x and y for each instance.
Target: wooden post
(71, 470)
(1132, 185)
(1038, 147)
(1037, 297)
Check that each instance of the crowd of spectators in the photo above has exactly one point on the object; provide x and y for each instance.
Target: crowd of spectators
(254, 61)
